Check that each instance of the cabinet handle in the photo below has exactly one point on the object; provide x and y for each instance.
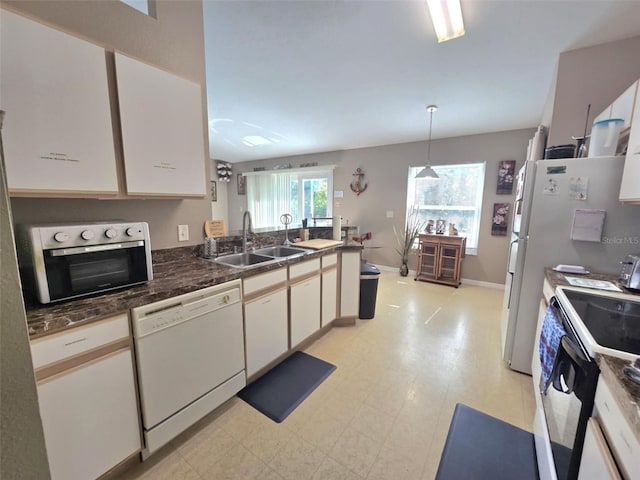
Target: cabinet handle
(266, 301)
(625, 441)
(75, 341)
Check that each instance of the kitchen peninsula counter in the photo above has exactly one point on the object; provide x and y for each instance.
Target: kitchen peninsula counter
(175, 271)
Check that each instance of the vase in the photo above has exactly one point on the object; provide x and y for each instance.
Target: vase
(404, 270)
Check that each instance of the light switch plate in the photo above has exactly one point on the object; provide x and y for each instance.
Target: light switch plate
(183, 233)
(389, 213)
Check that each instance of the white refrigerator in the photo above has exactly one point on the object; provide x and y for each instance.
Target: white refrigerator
(549, 192)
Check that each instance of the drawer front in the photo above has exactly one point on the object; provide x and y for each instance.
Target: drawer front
(78, 340)
(304, 268)
(329, 260)
(621, 439)
(264, 280)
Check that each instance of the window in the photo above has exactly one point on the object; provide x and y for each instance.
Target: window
(144, 6)
(304, 193)
(456, 198)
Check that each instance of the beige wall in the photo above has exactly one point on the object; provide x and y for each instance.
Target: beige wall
(386, 170)
(174, 40)
(593, 75)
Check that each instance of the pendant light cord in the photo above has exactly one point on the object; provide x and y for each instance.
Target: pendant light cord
(429, 144)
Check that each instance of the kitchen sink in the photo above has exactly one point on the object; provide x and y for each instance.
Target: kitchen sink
(243, 260)
(282, 251)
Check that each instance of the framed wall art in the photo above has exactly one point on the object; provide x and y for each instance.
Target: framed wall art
(506, 174)
(214, 190)
(242, 184)
(500, 219)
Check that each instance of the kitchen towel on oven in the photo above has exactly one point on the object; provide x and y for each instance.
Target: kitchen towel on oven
(550, 336)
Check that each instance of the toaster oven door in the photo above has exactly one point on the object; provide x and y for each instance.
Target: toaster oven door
(74, 272)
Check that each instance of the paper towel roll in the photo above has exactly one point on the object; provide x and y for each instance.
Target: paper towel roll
(337, 230)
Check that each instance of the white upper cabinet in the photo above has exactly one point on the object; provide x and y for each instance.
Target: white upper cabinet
(57, 133)
(162, 130)
(630, 187)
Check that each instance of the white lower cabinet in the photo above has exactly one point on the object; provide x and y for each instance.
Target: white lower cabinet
(88, 403)
(350, 284)
(266, 329)
(329, 295)
(305, 309)
(596, 462)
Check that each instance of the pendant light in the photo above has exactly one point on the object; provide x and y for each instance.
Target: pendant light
(428, 172)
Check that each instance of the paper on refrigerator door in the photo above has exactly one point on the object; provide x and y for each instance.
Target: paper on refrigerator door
(587, 225)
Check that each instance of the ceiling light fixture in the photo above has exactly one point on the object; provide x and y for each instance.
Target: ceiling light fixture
(428, 172)
(446, 16)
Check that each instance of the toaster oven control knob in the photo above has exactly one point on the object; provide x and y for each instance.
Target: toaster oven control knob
(132, 231)
(61, 237)
(87, 235)
(110, 233)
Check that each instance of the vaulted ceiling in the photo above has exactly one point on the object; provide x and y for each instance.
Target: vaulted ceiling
(294, 77)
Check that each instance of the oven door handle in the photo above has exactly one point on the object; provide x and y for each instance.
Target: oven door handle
(573, 373)
(63, 252)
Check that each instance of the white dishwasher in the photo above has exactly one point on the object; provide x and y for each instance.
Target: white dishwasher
(190, 358)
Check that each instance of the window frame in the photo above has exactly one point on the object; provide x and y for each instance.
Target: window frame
(471, 247)
(300, 175)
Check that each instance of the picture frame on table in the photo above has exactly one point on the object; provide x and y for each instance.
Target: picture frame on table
(242, 184)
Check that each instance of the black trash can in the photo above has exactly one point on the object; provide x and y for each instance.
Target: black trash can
(369, 275)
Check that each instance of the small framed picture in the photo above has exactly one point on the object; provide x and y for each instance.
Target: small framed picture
(499, 221)
(506, 174)
(214, 191)
(242, 184)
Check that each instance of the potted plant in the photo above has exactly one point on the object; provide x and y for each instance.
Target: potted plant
(405, 240)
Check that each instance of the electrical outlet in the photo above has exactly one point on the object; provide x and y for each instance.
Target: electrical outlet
(183, 233)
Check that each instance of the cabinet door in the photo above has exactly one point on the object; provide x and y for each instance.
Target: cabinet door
(596, 462)
(305, 309)
(350, 284)
(266, 329)
(90, 417)
(58, 136)
(329, 295)
(448, 262)
(630, 187)
(428, 259)
(162, 130)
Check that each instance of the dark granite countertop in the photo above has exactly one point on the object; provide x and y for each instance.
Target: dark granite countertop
(175, 271)
(557, 278)
(624, 390)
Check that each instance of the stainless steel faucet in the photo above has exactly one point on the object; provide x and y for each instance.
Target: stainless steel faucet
(246, 228)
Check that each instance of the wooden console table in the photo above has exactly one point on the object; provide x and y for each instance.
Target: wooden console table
(440, 258)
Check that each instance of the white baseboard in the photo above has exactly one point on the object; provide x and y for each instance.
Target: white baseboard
(479, 283)
(465, 281)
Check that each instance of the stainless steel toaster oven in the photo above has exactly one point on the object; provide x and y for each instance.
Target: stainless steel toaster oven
(59, 262)
(630, 272)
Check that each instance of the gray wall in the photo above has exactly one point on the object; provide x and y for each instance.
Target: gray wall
(174, 40)
(593, 75)
(386, 170)
(22, 448)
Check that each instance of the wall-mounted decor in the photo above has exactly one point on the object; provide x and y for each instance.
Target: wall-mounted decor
(242, 184)
(500, 219)
(224, 171)
(357, 186)
(506, 173)
(214, 191)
